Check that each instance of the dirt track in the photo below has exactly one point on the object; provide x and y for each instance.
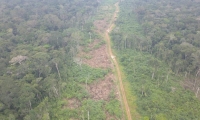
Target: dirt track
(107, 37)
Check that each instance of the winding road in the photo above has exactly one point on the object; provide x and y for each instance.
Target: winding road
(107, 37)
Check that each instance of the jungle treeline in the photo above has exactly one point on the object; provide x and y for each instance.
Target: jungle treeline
(38, 41)
(158, 45)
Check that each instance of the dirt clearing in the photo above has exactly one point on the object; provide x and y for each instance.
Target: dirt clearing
(101, 90)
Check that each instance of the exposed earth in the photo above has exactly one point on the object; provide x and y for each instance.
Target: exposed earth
(100, 55)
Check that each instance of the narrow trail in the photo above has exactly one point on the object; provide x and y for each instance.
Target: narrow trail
(107, 37)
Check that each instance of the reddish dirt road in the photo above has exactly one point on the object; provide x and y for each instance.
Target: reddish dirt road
(107, 37)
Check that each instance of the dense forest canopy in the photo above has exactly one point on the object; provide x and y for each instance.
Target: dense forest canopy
(171, 32)
(38, 40)
(168, 29)
(157, 43)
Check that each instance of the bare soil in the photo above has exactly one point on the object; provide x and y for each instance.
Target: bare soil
(101, 25)
(189, 84)
(99, 58)
(107, 36)
(72, 103)
(101, 90)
